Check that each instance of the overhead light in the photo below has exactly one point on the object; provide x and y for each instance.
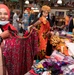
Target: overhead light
(59, 2)
(27, 2)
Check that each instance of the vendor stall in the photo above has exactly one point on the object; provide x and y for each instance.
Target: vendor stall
(61, 61)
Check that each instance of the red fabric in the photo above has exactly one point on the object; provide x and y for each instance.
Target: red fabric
(5, 27)
(26, 33)
(4, 6)
(11, 28)
(32, 71)
(20, 53)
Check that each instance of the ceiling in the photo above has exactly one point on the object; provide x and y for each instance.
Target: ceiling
(41, 2)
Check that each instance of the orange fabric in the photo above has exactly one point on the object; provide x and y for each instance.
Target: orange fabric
(47, 56)
(63, 49)
(67, 20)
(43, 20)
(44, 27)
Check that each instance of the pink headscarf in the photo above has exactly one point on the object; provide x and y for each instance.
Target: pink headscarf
(4, 6)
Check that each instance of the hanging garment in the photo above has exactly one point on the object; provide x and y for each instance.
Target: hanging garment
(19, 53)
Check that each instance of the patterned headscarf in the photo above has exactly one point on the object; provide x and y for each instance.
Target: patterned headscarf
(46, 8)
(5, 7)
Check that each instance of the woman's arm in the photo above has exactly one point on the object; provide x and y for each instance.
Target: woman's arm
(34, 25)
(5, 34)
(48, 34)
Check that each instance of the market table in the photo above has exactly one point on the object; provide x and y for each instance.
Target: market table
(68, 60)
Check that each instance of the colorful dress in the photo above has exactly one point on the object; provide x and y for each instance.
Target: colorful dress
(19, 53)
(43, 28)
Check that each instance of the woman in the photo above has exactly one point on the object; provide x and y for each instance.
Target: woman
(67, 20)
(18, 51)
(7, 30)
(43, 28)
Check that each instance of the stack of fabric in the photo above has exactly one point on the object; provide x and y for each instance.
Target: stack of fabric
(61, 61)
(54, 66)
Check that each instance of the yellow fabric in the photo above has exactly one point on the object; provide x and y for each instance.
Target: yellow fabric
(62, 48)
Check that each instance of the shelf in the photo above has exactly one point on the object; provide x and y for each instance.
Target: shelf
(65, 8)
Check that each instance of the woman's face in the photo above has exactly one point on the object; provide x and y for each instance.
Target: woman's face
(45, 13)
(3, 15)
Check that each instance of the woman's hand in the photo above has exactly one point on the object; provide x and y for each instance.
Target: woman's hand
(29, 28)
(48, 34)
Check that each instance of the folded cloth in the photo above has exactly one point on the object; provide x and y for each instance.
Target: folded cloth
(70, 46)
(32, 71)
(46, 73)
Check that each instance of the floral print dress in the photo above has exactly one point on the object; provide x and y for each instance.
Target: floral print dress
(43, 28)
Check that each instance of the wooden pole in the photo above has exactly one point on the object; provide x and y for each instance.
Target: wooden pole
(22, 5)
